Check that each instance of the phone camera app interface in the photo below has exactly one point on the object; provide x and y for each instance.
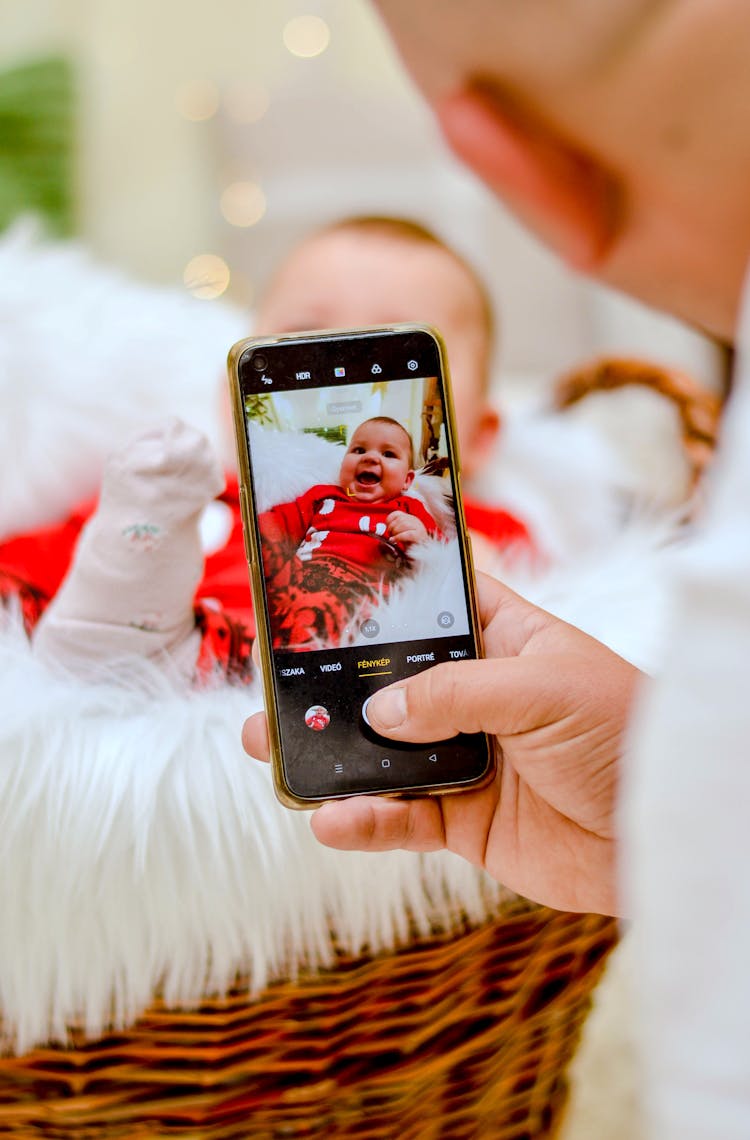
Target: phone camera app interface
(362, 564)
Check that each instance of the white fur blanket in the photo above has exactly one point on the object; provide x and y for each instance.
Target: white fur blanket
(140, 849)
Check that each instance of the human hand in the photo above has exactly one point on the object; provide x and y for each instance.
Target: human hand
(558, 702)
(405, 529)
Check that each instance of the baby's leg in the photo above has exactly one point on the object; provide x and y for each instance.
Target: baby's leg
(129, 591)
(321, 606)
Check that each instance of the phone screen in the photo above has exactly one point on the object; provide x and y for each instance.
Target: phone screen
(359, 552)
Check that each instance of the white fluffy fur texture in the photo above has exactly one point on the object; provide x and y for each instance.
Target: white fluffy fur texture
(560, 477)
(286, 464)
(139, 848)
(88, 358)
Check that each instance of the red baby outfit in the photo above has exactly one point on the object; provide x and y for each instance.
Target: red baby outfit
(326, 523)
(327, 559)
(502, 529)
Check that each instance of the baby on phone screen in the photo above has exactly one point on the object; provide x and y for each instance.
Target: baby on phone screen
(334, 552)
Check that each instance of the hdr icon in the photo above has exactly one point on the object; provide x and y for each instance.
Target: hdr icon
(303, 375)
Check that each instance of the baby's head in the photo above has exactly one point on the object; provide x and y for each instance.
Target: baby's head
(381, 270)
(379, 461)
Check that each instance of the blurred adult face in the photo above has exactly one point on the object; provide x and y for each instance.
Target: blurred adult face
(618, 131)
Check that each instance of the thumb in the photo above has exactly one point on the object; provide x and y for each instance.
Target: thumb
(497, 696)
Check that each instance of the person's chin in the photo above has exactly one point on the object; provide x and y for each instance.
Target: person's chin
(368, 494)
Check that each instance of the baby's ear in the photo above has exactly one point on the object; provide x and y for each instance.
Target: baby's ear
(483, 442)
(408, 480)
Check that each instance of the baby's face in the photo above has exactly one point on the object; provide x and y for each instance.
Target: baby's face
(376, 465)
(346, 279)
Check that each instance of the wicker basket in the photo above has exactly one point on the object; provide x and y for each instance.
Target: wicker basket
(456, 1038)
(699, 410)
(461, 1037)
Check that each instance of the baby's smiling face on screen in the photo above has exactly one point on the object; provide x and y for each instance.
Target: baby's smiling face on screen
(377, 464)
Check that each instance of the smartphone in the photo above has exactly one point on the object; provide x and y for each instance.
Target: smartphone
(359, 563)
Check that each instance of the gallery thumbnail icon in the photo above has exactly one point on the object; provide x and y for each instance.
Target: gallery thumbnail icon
(317, 718)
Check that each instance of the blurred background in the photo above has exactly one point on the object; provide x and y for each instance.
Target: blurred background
(191, 144)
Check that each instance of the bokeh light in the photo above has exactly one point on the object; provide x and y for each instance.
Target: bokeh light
(243, 203)
(246, 102)
(197, 100)
(206, 276)
(306, 36)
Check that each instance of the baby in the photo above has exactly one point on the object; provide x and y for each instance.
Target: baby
(384, 270)
(380, 270)
(130, 588)
(337, 549)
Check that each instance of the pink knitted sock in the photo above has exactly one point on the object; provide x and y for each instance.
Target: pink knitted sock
(129, 591)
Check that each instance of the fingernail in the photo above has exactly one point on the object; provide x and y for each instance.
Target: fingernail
(388, 707)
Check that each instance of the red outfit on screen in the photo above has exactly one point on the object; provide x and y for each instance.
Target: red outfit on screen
(326, 523)
(328, 560)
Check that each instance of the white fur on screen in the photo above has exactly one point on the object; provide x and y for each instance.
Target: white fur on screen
(139, 848)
